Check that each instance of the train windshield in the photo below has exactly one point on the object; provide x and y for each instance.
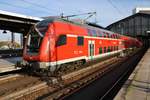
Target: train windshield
(35, 37)
(41, 28)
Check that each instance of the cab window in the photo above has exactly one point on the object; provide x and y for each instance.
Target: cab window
(62, 40)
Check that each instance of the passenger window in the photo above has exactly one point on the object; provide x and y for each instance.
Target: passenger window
(80, 40)
(105, 36)
(113, 36)
(108, 50)
(94, 33)
(111, 48)
(114, 48)
(117, 36)
(89, 32)
(100, 50)
(99, 34)
(117, 47)
(105, 50)
(62, 39)
(108, 36)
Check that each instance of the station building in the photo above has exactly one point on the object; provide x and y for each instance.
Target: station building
(136, 25)
(16, 23)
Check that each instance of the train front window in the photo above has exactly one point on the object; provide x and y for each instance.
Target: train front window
(34, 40)
(41, 28)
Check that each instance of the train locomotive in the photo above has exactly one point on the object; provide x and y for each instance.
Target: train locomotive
(55, 42)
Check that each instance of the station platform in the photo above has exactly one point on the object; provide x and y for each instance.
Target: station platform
(137, 87)
(8, 64)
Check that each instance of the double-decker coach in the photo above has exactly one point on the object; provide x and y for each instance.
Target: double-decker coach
(56, 42)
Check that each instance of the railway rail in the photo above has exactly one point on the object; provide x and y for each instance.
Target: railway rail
(117, 85)
(75, 86)
(32, 87)
(103, 87)
(7, 78)
(11, 72)
(87, 80)
(17, 83)
(28, 88)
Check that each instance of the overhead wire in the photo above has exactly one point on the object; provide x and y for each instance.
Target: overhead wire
(42, 8)
(16, 6)
(38, 5)
(115, 7)
(72, 11)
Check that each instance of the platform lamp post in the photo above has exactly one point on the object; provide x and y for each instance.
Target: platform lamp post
(12, 40)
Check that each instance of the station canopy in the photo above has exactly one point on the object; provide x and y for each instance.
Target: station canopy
(16, 22)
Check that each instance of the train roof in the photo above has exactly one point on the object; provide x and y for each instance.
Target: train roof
(87, 24)
(52, 19)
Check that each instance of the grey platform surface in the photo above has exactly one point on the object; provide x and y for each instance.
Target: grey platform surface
(8, 64)
(137, 87)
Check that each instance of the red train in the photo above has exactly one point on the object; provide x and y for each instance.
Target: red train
(54, 42)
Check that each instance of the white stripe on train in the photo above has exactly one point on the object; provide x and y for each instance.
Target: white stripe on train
(80, 58)
(72, 35)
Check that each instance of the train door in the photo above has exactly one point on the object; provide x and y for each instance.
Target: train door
(91, 49)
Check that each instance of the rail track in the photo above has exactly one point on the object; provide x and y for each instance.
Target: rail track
(3, 74)
(124, 76)
(24, 86)
(8, 78)
(103, 87)
(52, 88)
(75, 86)
(17, 83)
(61, 94)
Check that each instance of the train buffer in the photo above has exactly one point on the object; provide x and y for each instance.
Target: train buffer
(137, 87)
(8, 64)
